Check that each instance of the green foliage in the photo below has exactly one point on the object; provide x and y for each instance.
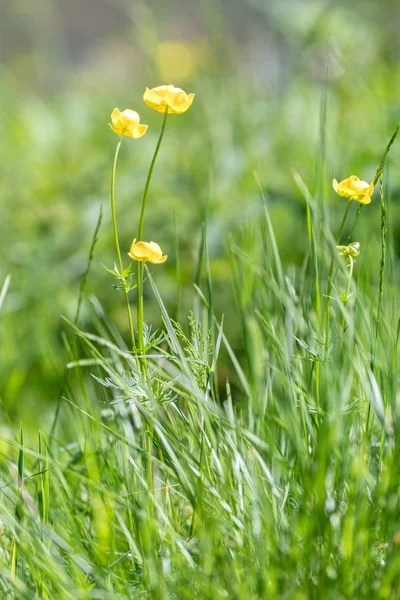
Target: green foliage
(257, 454)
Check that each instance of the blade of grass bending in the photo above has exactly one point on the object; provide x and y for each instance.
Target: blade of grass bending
(89, 262)
(396, 346)
(19, 508)
(211, 324)
(21, 461)
(310, 205)
(43, 481)
(4, 289)
(170, 328)
(277, 258)
(378, 173)
(383, 160)
(372, 391)
(239, 371)
(382, 266)
(76, 319)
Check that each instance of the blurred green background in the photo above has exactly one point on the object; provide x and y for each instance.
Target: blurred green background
(281, 87)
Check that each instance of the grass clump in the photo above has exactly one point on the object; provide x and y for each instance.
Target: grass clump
(275, 479)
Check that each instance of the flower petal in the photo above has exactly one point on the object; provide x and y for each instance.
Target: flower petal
(138, 131)
(155, 247)
(116, 129)
(146, 251)
(163, 90)
(354, 189)
(152, 99)
(178, 102)
(139, 250)
(366, 199)
(169, 96)
(158, 260)
(115, 115)
(130, 117)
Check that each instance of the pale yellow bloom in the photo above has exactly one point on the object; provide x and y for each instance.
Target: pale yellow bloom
(354, 189)
(127, 123)
(168, 97)
(350, 251)
(147, 252)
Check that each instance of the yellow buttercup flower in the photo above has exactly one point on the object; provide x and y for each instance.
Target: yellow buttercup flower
(354, 189)
(168, 97)
(127, 123)
(147, 252)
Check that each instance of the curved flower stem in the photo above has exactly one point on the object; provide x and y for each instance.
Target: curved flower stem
(358, 213)
(140, 269)
(343, 223)
(330, 280)
(116, 241)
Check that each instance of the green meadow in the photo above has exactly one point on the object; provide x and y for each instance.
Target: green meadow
(223, 423)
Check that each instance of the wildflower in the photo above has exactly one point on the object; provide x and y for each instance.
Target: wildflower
(354, 189)
(350, 251)
(127, 123)
(147, 252)
(167, 96)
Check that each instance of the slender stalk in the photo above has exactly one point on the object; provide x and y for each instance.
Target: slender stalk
(358, 213)
(128, 309)
(140, 306)
(330, 280)
(140, 234)
(383, 260)
(350, 276)
(116, 241)
(150, 174)
(343, 223)
(348, 287)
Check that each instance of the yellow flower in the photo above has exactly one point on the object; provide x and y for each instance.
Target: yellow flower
(350, 251)
(163, 96)
(127, 123)
(354, 189)
(147, 252)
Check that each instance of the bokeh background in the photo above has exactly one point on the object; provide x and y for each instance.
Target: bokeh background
(294, 86)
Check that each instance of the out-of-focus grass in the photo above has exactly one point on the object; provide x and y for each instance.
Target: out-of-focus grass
(257, 454)
(279, 480)
(258, 106)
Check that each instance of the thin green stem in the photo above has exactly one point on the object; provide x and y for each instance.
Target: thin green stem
(140, 303)
(113, 214)
(330, 280)
(382, 263)
(343, 223)
(150, 174)
(358, 213)
(350, 276)
(347, 293)
(132, 332)
(116, 241)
